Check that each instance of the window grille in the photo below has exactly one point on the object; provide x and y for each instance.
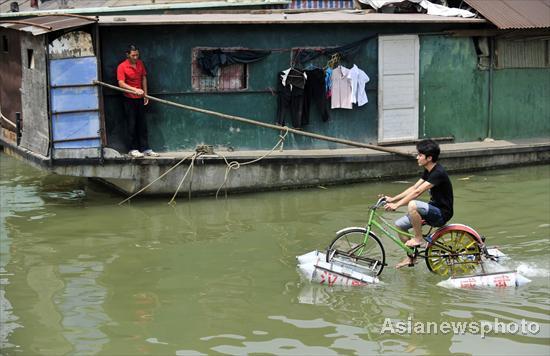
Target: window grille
(522, 53)
(232, 77)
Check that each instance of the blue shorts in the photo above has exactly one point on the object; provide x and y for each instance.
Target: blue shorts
(430, 213)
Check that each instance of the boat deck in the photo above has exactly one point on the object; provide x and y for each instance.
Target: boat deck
(446, 149)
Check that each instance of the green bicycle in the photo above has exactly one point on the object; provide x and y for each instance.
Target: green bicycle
(454, 249)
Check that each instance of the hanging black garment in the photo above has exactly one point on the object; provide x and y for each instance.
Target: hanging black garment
(290, 98)
(211, 60)
(314, 92)
(296, 78)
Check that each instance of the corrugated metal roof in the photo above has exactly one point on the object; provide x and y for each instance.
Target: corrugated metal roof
(514, 14)
(106, 6)
(44, 24)
(282, 18)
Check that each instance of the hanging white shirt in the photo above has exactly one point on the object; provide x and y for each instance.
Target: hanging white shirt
(358, 81)
(341, 88)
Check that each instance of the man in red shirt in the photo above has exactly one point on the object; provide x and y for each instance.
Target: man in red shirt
(132, 75)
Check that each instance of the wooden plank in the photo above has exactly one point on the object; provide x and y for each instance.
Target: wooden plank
(35, 132)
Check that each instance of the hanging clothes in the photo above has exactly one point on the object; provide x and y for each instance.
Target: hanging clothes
(358, 81)
(314, 93)
(328, 82)
(211, 60)
(290, 96)
(294, 78)
(341, 88)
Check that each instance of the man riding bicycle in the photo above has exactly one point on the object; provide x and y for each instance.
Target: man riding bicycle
(437, 211)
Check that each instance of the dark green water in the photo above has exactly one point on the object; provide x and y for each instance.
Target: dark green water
(81, 275)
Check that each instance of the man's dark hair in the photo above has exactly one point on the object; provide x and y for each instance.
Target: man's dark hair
(429, 148)
(131, 48)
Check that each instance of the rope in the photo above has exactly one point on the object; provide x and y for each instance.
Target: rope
(190, 168)
(263, 124)
(234, 165)
(192, 174)
(162, 175)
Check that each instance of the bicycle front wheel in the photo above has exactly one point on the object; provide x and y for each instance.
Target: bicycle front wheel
(455, 252)
(353, 244)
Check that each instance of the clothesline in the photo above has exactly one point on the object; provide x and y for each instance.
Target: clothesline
(211, 59)
(345, 51)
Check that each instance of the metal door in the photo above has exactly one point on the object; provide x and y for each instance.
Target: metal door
(398, 69)
(74, 99)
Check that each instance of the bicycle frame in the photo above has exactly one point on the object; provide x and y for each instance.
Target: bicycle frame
(451, 248)
(373, 221)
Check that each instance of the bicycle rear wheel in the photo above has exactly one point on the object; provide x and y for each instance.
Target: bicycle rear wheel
(352, 244)
(454, 252)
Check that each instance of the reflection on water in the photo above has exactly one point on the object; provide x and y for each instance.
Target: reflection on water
(18, 195)
(82, 297)
(81, 275)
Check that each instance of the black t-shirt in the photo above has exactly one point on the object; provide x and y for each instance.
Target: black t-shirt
(441, 194)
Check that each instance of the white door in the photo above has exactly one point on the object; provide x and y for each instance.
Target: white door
(398, 88)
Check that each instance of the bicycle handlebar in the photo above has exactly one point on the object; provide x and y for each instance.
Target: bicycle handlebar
(379, 203)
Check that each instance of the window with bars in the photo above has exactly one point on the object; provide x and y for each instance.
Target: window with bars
(522, 53)
(232, 77)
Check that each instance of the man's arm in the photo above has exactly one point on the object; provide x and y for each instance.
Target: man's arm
(410, 194)
(137, 91)
(405, 192)
(144, 86)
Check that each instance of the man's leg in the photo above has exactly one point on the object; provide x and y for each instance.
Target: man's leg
(404, 238)
(416, 222)
(407, 261)
(404, 224)
(130, 113)
(141, 127)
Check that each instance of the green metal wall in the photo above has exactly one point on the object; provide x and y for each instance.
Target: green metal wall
(454, 97)
(453, 92)
(167, 51)
(521, 103)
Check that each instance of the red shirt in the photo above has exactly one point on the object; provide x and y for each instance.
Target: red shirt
(131, 75)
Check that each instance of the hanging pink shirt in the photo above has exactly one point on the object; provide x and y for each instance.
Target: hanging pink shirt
(341, 89)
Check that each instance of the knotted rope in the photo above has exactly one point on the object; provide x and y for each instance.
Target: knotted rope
(234, 165)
